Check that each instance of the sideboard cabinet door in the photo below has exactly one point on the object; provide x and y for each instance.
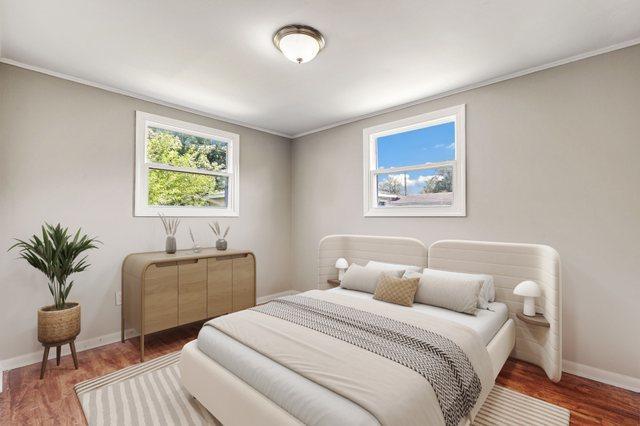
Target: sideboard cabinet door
(219, 286)
(160, 297)
(244, 295)
(192, 291)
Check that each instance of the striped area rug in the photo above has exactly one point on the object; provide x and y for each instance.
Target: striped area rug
(506, 407)
(151, 394)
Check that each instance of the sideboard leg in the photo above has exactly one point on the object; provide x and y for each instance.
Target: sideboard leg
(141, 347)
(58, 354)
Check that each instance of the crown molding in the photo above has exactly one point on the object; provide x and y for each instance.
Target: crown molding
(139, 96)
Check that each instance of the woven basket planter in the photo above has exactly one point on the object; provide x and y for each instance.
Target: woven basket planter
(58, 325)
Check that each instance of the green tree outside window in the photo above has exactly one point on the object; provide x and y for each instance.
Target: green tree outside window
(171, 188)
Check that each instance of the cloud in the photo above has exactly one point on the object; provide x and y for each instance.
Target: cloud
(452, 145)
(421, 180)
(425, 179)
(401, 178)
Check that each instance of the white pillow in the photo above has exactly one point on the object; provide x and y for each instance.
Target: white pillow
(393, 266)
(364, 279)
(487, 291)
(449, 290)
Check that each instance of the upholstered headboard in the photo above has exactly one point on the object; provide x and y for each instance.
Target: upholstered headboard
(511, 264)
(360, 249)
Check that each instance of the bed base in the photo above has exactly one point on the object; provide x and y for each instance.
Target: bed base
(234, 402)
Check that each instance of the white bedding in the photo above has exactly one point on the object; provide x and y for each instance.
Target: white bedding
(304, 399)
(486, 323)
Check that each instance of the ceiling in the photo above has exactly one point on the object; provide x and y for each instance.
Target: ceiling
(216, 57)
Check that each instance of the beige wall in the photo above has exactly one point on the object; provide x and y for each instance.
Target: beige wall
(67, 154)
(552, 158)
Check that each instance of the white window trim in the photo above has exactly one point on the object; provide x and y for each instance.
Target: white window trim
(369, 136)
(142, 208)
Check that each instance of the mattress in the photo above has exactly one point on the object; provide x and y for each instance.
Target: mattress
(309, 402)
(486, 323)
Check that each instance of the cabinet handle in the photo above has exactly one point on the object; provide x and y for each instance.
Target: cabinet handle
(165, 264)
(188, 261)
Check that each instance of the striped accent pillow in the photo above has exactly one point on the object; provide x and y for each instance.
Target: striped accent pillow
(399, 291)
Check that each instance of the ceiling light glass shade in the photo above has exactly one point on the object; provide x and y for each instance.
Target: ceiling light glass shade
(299, 43)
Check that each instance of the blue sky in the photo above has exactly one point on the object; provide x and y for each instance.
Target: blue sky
(428, 145)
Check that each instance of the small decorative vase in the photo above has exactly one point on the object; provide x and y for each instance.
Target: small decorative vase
(171, 244)
(221, 244)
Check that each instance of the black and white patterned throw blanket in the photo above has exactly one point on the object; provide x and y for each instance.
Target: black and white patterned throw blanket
(438, 359)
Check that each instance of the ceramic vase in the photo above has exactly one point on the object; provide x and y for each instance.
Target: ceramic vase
(171, 244)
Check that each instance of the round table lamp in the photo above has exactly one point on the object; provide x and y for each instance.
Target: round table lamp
(341, 265)
(530, 290)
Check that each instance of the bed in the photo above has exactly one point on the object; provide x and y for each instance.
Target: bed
(239, 384)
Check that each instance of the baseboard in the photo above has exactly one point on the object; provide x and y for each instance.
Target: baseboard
(81, 345)
(268, 297)
(608, 377)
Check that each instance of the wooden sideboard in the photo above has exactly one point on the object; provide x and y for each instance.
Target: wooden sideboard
(162, 291)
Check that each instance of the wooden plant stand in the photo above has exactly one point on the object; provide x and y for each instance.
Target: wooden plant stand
(58, 345)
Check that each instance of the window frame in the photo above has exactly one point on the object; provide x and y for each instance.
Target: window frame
(370, 135)
(142, 168)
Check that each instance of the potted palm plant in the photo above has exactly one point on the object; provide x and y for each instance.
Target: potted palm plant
(56, 253)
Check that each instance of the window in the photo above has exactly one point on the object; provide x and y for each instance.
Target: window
(416, 166)
(183, 169)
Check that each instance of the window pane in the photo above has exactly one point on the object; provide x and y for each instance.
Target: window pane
(169, 188)
(427, 145)
(430, 187)
(185, 150)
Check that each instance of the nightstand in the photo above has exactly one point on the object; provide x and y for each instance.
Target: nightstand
(538, 320)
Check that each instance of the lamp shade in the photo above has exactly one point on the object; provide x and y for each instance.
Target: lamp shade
(527, 289)
(299, 48)
(341, 263)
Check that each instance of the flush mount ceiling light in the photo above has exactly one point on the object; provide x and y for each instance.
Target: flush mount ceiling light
(299, 43)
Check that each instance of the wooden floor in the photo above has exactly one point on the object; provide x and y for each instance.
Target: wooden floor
(26, 400)
(590, 402)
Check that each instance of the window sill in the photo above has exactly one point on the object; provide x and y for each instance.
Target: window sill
(184, 212)
(413, 212)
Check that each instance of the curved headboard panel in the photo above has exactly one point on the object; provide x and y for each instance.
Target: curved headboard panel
(510, 264)
(360, 249)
